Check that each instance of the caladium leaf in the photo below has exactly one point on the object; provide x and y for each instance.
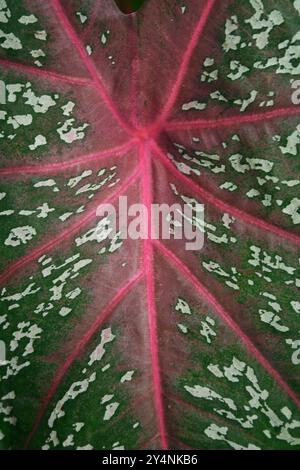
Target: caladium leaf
(115, 343)
(129, 6)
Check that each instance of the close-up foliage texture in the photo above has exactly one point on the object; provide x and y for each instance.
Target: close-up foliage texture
(115, 343)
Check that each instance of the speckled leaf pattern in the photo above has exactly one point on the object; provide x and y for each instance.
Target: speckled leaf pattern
(116, 343)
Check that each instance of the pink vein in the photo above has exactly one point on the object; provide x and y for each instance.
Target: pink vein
(53, 76)
(152, 313)
(92, 20)
(181, 444)
(88, 63)
(144, 445)
(224, 206)
(55, 167)
(212, 415)
(208, 296)
(61, 372)
(233, 120)
(84, 220)
(184, 64)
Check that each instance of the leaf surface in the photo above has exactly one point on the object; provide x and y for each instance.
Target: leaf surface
(142, 344)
